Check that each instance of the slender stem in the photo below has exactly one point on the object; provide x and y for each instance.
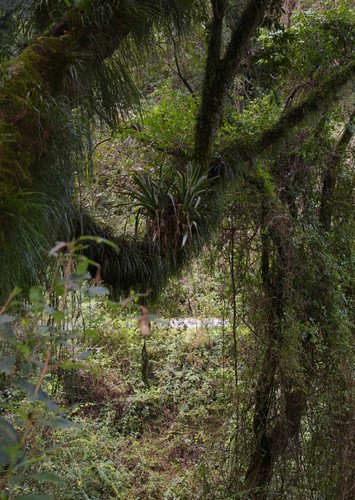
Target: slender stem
(30, 421)
(234, 306)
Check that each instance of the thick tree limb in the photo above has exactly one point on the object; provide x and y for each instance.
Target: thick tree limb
(154, 276)
(325, 94)
(220, 72)
(40, 71)
(133, 266)
(39, 86)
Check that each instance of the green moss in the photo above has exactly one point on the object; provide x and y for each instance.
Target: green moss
(27, 111)
(39, 64)
(33, 76)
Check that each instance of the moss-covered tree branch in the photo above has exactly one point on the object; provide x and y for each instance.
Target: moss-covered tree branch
(83, 39)
(54, 73)
(151, 270)
(324, 95)
(220, 72)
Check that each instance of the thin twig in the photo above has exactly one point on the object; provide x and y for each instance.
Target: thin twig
(178, 68)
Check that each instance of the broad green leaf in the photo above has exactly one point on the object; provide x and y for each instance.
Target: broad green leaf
(6, 318)
(8, 439)
(85, 354)
(36, 295)
(97, 290)
(82, 267)
(5, 327)
(43, 329)
(71, 365)
(58, 316)
(39, 396)
(7, 364)
(25, 349)
(59, 423)
(6, 331)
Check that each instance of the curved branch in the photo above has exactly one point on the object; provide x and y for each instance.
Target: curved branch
(133, 266)
(136, 267)
(39, 77)
(41, 72)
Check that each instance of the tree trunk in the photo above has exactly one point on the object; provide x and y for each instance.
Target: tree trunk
(331, 175)
(220, 72)
(273, 277)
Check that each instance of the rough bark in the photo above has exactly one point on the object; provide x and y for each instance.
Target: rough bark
(273, 272)
(274, 436)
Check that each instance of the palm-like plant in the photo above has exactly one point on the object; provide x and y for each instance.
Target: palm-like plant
(190, 190)
(174, 209)
(153, 203)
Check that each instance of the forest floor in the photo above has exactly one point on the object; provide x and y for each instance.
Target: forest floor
(136, 442)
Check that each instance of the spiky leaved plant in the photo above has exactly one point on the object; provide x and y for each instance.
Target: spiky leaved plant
(192, 211)
(152, 199)
(173, 208)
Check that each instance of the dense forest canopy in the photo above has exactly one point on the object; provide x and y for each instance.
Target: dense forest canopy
(187, 157)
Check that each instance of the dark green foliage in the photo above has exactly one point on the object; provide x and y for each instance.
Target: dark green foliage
(132, 263)
(221, 70)
(274, 181)
(72, 65)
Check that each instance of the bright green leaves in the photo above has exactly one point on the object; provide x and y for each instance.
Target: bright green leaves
(37, 394)
(170, 123)
(40, 340)
(37, 298)
(244, 127)
(47, 477)
(317, 40)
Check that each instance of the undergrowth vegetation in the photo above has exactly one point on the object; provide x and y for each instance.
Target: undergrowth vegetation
(107, 435)
(176, 249)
